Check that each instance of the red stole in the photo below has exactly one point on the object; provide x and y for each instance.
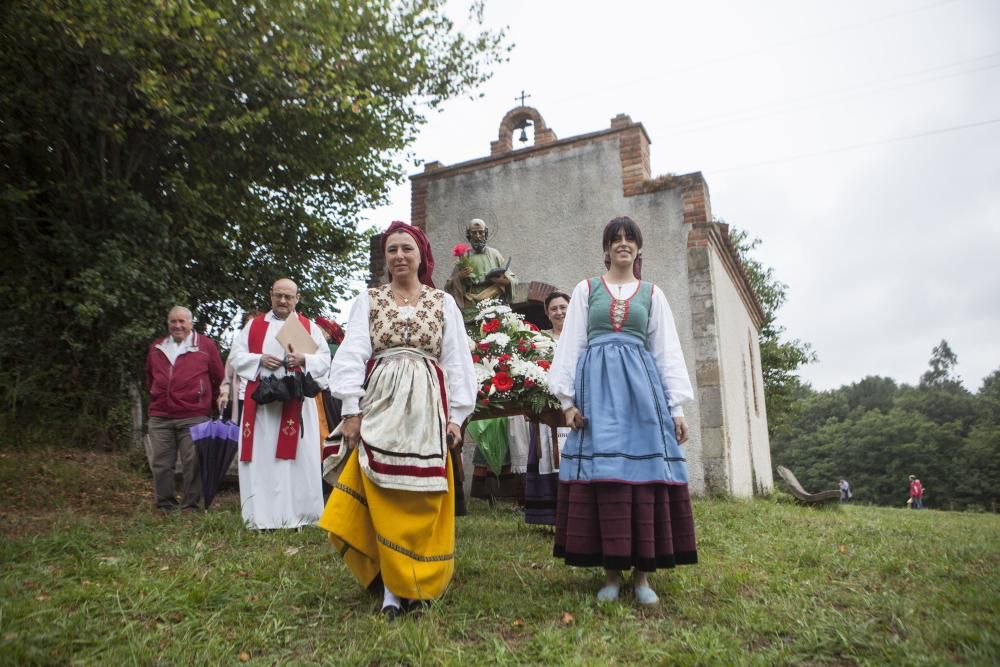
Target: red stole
(291, 411)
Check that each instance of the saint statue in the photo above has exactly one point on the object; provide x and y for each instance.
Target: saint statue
(482, 273)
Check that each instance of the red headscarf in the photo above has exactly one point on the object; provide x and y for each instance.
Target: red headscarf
(335, 331)
(426, 267)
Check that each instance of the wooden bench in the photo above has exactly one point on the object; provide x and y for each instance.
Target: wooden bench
(801, 494)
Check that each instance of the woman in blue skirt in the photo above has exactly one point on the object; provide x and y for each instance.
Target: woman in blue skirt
(621, 378)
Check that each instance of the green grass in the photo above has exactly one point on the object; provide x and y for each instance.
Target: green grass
(84, 580)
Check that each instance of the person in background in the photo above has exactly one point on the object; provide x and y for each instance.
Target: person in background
(280, 471)
(183, 374)
(845, 491)
(556, 305)
(233, 390)
(541, 481)
(916, 493)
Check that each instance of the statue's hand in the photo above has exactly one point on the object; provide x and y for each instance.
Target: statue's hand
(465, 272)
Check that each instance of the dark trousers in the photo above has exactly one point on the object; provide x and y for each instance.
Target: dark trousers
(167, 439)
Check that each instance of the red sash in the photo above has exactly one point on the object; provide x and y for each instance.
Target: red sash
(291, 411)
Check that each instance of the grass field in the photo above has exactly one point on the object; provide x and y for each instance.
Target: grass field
(89, 574)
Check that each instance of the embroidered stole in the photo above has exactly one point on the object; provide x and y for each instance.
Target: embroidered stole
(290, 429)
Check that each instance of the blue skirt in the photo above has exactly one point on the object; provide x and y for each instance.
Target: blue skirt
(629, 434)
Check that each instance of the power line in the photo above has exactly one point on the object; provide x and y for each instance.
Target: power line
(763, 49)
(844, 149)
(876, 86)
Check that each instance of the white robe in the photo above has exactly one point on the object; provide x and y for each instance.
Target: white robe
(519, 440)
(281, 493)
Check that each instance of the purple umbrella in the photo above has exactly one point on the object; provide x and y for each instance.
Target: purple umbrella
(216, 443)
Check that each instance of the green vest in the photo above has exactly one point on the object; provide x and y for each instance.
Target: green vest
(612, 315)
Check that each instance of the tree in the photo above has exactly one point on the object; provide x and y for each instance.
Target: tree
(779, 359)
(941, 373)
(192, 151)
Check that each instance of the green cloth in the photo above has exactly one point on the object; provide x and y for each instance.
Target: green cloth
(491, 441)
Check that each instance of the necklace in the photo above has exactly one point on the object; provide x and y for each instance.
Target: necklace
(405, 298)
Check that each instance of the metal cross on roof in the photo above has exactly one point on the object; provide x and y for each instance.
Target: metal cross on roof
(522, 97)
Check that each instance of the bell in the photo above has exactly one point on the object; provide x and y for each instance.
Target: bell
(524, 136)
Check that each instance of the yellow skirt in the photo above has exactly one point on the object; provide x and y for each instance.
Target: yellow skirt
(406, 536)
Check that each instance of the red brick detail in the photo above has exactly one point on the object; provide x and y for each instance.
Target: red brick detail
(515, 117)
(633, 149)
(695, 202)
(538, 291)
(376, 260)
(418, 203)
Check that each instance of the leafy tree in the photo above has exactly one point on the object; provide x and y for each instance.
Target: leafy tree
(192, 151)
(941, 373)
(780, 358)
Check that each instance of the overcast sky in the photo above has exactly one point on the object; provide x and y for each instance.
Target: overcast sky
(859, 139)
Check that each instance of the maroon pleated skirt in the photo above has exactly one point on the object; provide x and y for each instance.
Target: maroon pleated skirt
(620, 526)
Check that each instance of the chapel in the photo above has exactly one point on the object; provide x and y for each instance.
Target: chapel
(546, 205)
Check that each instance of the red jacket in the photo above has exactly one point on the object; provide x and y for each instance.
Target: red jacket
(190, 386)
(916, 489)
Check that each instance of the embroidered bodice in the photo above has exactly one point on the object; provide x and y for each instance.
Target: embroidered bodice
(420, 326)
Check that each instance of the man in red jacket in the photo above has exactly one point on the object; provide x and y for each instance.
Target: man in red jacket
(916, 493)
(183, 374)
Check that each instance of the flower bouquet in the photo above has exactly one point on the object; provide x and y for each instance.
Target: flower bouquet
(461, 251)
(511, 360)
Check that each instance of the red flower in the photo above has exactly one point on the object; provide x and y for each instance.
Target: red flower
(503, 382)
(483, 345)
(544, 363)
(486, 401)
(522, 346)
(502, 367)
(528, 383)
(504, 358)
(491, 326)
(475, 358)
(531, 326)
(460, 249)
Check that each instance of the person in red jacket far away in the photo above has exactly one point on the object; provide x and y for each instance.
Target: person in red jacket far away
(183, 374)
(916, 493)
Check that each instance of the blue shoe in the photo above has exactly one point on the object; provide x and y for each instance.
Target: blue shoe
(609, 593)
(646, 595)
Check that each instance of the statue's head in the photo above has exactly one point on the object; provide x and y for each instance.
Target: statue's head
(477, 233)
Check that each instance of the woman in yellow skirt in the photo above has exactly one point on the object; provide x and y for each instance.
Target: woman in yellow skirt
(404, 374)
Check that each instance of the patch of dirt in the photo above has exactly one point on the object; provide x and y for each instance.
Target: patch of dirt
(38, 486)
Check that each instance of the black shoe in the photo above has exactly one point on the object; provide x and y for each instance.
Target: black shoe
(391, 613)
(416, 606)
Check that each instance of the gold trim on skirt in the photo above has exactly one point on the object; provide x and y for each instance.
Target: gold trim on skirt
(406, 536)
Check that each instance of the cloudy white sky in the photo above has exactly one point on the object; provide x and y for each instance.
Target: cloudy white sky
(859, 139)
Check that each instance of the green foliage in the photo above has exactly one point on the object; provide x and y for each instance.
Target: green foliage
(779, 585)
(192, 151)
(780, 359)
(875, 433)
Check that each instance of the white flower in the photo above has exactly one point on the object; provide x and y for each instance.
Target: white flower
(528, 369)
(498, 338)
(483, 372)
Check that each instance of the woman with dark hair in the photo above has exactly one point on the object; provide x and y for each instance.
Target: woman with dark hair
(404, 374)
(541, 479)
(621, 378)
(556, 305)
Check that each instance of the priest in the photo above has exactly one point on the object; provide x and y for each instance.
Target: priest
(280, 471)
